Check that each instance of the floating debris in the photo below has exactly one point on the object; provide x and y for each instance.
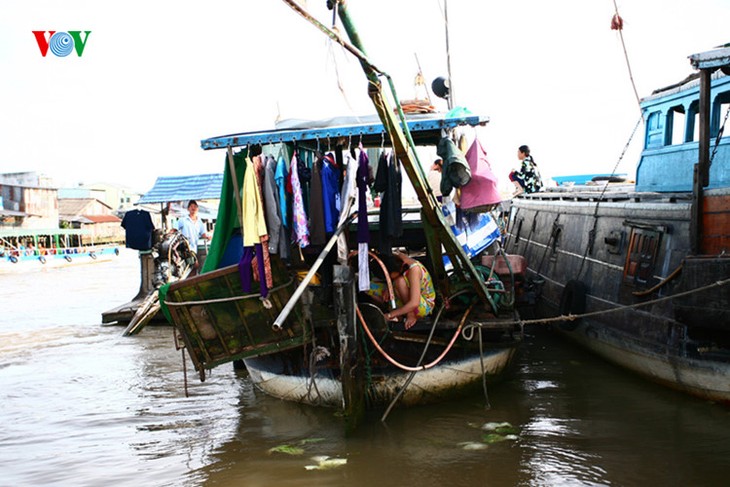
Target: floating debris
(288, 449)
(499, 432)
(493, 438)
(472, 445)
(294, 449)
(324, 463)
(494, 426)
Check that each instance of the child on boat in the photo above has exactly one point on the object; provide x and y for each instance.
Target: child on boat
(413, 286)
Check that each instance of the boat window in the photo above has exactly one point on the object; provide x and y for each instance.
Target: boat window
(676, 130)
(654, 131)
(719, 111)
(641, 256)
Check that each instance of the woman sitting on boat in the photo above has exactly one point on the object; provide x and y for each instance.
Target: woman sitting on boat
(527, 179)
(413, 287)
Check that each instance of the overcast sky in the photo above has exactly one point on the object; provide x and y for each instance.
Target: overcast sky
(157, 76)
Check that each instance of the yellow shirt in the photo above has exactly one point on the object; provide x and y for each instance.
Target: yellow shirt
(254, 222)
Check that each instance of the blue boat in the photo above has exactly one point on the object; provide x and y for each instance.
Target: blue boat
(640, 273)
(27, 250)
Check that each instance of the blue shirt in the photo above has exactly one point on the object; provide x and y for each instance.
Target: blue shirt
(330, 197)
(191, 230)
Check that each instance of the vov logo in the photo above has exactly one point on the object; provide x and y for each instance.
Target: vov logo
(61, 44)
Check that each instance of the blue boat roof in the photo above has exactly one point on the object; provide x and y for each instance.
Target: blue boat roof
(425, 130)
(183, 188)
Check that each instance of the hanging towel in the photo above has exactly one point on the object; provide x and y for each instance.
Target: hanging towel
(363, 230)
(349, 201)
(481, 193)
(299, 217)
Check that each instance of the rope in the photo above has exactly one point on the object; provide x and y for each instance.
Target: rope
(592, 232)
(572, 317)
(671, 276)
(617, 23)
(487, 405)
(226, 300)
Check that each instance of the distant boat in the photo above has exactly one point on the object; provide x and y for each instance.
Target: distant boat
(645, 267)
(27, 250)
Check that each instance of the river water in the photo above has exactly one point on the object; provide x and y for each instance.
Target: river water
(81, 405)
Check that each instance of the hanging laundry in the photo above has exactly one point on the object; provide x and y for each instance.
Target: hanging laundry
(481, 193)
(274, 223)
(331, 197)
(349, 201)
(455, 172)
(304, 164)
(363, 230)
(281, 176)
(388, 180)
(138, 226)
(254, 222)
(254, 225)
(265, 260)
(300, 232)
(316, 205)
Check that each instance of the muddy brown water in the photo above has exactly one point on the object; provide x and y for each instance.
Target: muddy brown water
(81, 405)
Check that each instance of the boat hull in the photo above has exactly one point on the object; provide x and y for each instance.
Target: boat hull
(701, 378)
(449, 379)
(620, 258)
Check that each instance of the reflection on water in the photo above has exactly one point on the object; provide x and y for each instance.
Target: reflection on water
(82, 405)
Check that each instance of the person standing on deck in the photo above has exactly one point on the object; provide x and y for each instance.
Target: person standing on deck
(192, 227)
(527, 179)
(434, 178)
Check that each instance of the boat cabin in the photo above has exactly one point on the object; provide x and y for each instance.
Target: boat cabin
(671, 142)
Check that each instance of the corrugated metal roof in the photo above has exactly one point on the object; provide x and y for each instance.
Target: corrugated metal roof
(717, 58)
(183, 188)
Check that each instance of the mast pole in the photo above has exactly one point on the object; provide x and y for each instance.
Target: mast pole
(702, 168)
(450, 99)
(402, 144)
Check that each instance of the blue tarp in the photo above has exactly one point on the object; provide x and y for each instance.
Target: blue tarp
(183, 188)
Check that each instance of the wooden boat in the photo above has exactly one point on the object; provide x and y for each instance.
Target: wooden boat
(27, 250)
(645, 269)
(316, 340)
